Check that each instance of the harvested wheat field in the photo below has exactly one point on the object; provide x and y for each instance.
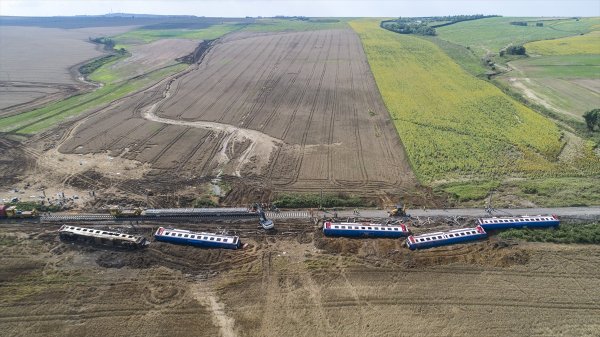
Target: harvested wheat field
(39, 65)
(297, 112)
(295, 283)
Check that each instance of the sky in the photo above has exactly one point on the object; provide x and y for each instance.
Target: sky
(338, 8)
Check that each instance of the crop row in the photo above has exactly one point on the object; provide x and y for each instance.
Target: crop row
(451, 123)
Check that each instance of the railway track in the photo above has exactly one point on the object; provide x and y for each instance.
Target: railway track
(178, 218)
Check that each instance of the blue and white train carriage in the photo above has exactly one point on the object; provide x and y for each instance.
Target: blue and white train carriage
(353, 229)
(431, 240)
(518, 222)
(206, 240)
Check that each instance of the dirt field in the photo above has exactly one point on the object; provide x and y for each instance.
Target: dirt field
(295, 283)
(149, 57)
(295, 111)
(36, 64)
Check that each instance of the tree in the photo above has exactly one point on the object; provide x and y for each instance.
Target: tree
(592, 119)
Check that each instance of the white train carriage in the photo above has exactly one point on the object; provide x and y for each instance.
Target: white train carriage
(101, 237)
(437, 239)
(198, 239)
(508, 222)
(199, 212)
(354, 229)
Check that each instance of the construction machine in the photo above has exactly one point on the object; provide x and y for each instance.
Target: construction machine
(398, 211)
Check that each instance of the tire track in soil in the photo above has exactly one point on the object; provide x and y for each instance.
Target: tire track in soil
(312, 111)
(359, 145)
(279, 101)
(307, 128)
(171, 143)
(192, 153)
(253, 109)
(245, 91)
(264, 94)
(270, 285)
(298, 100)
(219, 81)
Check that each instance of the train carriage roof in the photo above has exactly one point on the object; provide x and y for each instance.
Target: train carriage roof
(184, 231)
(99, 233)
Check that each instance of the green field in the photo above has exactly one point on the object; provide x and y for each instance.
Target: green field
(142, 35)
(276, 25)
(493, 34)
(565, 233)
(567, 66)
(581, 44)
(40, 119)
(568, 84)
(550, 192)
(452, 124)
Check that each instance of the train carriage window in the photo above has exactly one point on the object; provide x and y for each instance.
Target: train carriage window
(212, 239)
(225, 240)
(389, 228)
(205, 238)
(370, 227)
(185, 235)
(180, 235)
(167, 233)
(343, 227)
(428, 239)
(451, 235)
(192, 236)
(362, 228)
(219, 239)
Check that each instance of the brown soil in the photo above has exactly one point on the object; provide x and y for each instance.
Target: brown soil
(288, 112)
(39, 65)
(295, 283)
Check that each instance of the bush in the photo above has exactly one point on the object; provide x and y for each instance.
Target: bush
(204, 202)
(314, 200)
(513, 50)
(592, 119)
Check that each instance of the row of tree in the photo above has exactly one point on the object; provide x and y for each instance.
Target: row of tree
(426, 25)
(411, 28)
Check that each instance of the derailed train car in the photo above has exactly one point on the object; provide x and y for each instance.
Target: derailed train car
(430, 240)
(354, 229)
(198, 239)
(101, 237)
(508, 222)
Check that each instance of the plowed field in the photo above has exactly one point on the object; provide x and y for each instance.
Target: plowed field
(298, 111)
(295, 283)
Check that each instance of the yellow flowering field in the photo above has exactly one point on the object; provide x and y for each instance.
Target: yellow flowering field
(452, 124)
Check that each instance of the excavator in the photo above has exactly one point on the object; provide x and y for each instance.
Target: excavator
(399, 211)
